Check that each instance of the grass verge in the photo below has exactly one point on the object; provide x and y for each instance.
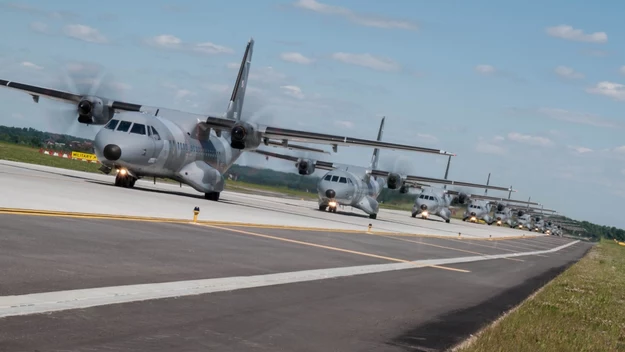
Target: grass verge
(583, 309)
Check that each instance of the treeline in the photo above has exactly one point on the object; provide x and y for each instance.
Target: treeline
(596, 231)
(38, 139)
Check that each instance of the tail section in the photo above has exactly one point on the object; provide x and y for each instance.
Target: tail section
(487, 182)
(376, 152)
(235, 107)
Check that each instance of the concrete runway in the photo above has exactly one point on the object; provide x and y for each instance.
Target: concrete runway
(76, 284)
(294, 279)
(31, 186)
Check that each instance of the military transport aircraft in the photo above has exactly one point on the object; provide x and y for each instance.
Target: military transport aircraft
(193, 149)
(341, 186)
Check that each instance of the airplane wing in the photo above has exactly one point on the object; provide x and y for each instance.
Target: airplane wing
(505, 200)
(420, 180)
(59, 95)
(318, 164)
(286, 135)
(277, 144)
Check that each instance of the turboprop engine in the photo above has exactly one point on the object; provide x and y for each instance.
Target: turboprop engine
(93, 111)
(396, 181)
(305, 166)
(245, 135)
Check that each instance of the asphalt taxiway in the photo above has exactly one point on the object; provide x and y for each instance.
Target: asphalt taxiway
(71, 284)
(27, 186)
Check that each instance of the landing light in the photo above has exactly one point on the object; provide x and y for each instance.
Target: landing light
(122, 172)
(473, 218)
(424, 214)
(499, 222)
(332, 204)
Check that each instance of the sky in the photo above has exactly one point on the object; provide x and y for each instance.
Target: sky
(532, 93)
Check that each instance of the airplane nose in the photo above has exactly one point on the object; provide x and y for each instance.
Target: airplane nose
(498, 218)
(472, 213)
(424, 207)
(112, 152)
(330, 193)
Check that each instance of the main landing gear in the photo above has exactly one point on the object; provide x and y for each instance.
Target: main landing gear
(124, 179)
(330, 209)
(214, 196)
(373, 216)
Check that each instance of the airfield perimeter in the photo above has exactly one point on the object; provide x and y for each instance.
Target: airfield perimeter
(139, 284)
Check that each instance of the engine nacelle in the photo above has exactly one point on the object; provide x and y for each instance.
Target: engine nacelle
(395, 181)
(500, 207)
(245, 135)
(305, 166)
(404, 189)
(463, 198)
(93, 111)
(520, 213)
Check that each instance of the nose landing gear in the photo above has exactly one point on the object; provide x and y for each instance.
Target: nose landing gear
(124, 179)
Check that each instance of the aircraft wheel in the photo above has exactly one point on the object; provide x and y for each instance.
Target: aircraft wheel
(214, 196)
(322, 207)
(334, 210)
(448, 221)
(414, 215)
(373, 216)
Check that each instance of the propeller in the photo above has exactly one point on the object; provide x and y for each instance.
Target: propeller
(85, 79)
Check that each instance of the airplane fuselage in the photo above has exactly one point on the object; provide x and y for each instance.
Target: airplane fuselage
(341, 187)
(147, 145)
(430, 202)
(477, 210)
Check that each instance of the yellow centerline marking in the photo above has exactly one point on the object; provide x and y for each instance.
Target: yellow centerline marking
(331, 248)
(450, 248)
(34, 212)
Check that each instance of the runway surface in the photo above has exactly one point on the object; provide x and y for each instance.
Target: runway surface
(31, 186)
(294, 279)
(136, 286)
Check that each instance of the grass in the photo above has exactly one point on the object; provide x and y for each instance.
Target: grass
(583, 309)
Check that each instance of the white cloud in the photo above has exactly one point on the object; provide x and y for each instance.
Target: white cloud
(489, 148)
(622, 70)
(171, 42)
(296, 58)
(612, 90)
(212, 49)
(346, 124)
(266, 74)
(568, 72)
(569, 33)
(531, 140)
(620, 150)
(580, 150)
(499, 139)
(183, 93)
(293, 91)
(39, 27)
(31, 65)
(120, 86)
(84, 33)
(367, 60)
(577, 117)
(233, 65)
(485, 69)
(361, 19)
(165, 41)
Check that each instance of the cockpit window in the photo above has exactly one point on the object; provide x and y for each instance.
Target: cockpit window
(335, 178)
(155, 134)
(342, 180)
(349, 181)
(112, 124)
(124, 126)
(328, 178)
(138, 129)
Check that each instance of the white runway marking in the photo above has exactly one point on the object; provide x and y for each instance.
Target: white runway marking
(84, 298)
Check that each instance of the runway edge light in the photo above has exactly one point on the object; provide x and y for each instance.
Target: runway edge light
(196, 212)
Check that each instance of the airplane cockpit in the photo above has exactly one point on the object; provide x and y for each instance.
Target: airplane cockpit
(427, 197)
(124, 126)
(337, 178)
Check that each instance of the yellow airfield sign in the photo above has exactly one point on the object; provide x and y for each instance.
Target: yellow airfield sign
(85, 156)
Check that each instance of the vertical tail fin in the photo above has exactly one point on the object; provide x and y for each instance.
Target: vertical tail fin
(447, 170)
(487, 182)
(376, 152)
(235, 107)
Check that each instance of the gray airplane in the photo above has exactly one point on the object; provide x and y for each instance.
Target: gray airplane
(341, 186)
(194, 149)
